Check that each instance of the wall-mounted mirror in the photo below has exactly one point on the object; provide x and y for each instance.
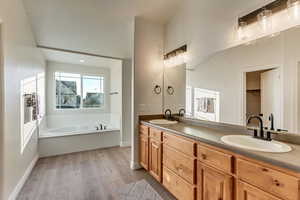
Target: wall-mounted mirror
(175, 87)
(261, 78)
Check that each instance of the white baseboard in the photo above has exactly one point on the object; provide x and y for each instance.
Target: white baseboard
(22, 181)
(135, 165)
(125, 144)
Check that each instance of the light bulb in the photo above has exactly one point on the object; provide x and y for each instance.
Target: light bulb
(293, 7)
(166, 62)
(242, 33)
(265, 20)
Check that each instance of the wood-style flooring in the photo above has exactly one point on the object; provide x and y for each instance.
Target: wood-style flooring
(90, 175)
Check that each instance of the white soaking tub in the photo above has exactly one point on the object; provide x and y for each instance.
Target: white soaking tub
(67, 134)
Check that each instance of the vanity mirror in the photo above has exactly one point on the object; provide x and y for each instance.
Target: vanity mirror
(231, 85)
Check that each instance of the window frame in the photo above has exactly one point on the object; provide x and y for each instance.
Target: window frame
(81, 108)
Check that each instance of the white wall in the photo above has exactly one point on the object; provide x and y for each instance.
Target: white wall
(116, 87)
(148, 72)
(223, 72)
(53, 67)
(21, 60)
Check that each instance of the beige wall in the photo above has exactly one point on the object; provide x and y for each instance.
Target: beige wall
(21, 60)
(148, 71)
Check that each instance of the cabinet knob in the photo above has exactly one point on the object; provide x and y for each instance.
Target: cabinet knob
(203, 156)
(165, 138)
(264, 170)
(276, 182)
(179, 169)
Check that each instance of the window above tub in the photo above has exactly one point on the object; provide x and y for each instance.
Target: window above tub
(77, 91)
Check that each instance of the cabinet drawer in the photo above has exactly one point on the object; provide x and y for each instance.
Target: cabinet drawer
(269, 180)
(185, 146)
(248, 192)
(184, 166)
(181, 189)
(216, 159)
(155, 134)
(144, 130)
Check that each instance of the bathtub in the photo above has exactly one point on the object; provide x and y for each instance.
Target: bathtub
(61, 134)
(75, 130)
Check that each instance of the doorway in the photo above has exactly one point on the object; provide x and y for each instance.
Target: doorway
(262, 95)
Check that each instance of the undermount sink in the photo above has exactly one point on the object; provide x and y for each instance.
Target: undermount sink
(162, 122)
(251, 143)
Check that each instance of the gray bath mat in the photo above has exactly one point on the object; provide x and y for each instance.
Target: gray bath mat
(140, 190)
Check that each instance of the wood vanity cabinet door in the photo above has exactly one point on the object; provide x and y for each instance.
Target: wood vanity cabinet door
(144, 151)
(155, 159)
(214, 185)
(248, 192)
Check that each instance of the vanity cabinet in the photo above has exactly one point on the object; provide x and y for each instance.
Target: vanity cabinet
(213, 184)
(193, 170)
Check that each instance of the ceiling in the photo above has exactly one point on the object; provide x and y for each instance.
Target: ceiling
(79, 59)
(95, 26)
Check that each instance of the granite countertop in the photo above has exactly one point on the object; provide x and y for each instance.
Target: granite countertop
(211, 136)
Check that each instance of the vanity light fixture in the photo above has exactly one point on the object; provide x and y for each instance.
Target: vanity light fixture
(263, 16)
(265, 20)
(176, 57)
(293, 7)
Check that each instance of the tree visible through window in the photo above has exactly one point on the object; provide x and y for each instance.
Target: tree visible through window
(75, 91)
